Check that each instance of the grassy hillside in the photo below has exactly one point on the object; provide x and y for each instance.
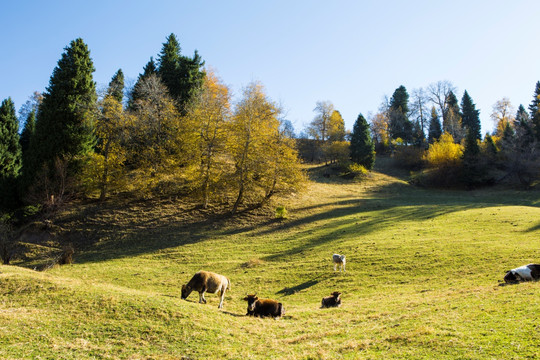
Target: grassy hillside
(422, 280)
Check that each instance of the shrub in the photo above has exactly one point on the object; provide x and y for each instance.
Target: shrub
(281, 212)
(444, 153)
(409, 157)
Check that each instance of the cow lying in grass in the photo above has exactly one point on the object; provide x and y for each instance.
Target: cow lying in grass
(206, 281)
(333, 300)
(263, 307)
(339, 260)
(529, 272)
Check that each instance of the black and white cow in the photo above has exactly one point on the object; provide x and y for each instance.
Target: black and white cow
(529, 272)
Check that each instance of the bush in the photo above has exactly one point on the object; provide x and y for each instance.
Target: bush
(444, 153)
(281, 212)
(444, 160)
(409, 157)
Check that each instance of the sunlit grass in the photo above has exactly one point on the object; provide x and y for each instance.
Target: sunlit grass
(422, 281)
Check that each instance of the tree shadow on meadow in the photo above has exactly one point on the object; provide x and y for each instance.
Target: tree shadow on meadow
(110, 230)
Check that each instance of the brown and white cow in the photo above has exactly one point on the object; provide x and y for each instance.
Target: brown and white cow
(333, 300)
(529, 272)
(263, 307)
(339, 260)
(206, 281)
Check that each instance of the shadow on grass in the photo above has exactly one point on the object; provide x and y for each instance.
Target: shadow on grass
(297, 288)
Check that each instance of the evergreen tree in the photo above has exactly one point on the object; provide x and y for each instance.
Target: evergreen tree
(136, 93)
(491, 148)
(470, 116)
(28, 131)
(535, 111)
(116, 86)
(182, 75)
(400, 125)
(418, 135)
(472, 171)
(524, 128)
(64, 126)
(400, 100)
(10, 154)
(435, 130)
(362, 146)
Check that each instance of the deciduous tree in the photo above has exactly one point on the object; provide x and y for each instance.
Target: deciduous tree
(210, 114)
(502, 115)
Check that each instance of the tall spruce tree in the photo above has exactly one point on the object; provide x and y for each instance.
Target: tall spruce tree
(137, 92)
(535, 111)
(116, 86)
(435, 130)
(28, 131)
(399, 124)
(470, 116)
(10, 154)
(64, 126)
(183, 76)
(362, 147)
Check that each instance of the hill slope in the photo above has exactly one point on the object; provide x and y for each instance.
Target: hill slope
(422, 279)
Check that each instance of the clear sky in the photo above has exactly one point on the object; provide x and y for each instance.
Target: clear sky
(351, 53)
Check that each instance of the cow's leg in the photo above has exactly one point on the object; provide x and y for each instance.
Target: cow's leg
(335, 267)
(222, 296)
(202, 300)
(343, 266)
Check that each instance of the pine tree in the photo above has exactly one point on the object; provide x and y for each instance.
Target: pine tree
(10, 154)
(470, 116)
(491, 148)
(535, 111)
(64, 126)
(435, 130)
(400, 126)
(136, 93)
(169, 65)
(28, 131)
(116, 86)
(362, 146)
(183, 76)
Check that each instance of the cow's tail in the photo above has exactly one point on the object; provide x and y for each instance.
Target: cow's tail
(228, 284)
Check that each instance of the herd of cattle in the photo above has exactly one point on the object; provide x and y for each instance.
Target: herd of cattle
(206, 281)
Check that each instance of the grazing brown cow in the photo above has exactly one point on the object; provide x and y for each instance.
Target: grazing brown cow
(264, 307)
(204, 281)
(333, 300)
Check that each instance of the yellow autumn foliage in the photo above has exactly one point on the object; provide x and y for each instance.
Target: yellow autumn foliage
(444, 152)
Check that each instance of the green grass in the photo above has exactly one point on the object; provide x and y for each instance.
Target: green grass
(422, 279)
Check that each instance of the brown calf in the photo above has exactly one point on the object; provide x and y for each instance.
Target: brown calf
(263, 307)
(333, 300)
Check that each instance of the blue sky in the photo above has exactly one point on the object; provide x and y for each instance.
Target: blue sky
(351, 53)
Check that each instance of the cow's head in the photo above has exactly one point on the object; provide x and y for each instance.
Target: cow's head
(336, 294)
(251, 299)
(186, 290)
(511, 277)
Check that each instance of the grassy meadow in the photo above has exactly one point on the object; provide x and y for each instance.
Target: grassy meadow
(423, 278)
